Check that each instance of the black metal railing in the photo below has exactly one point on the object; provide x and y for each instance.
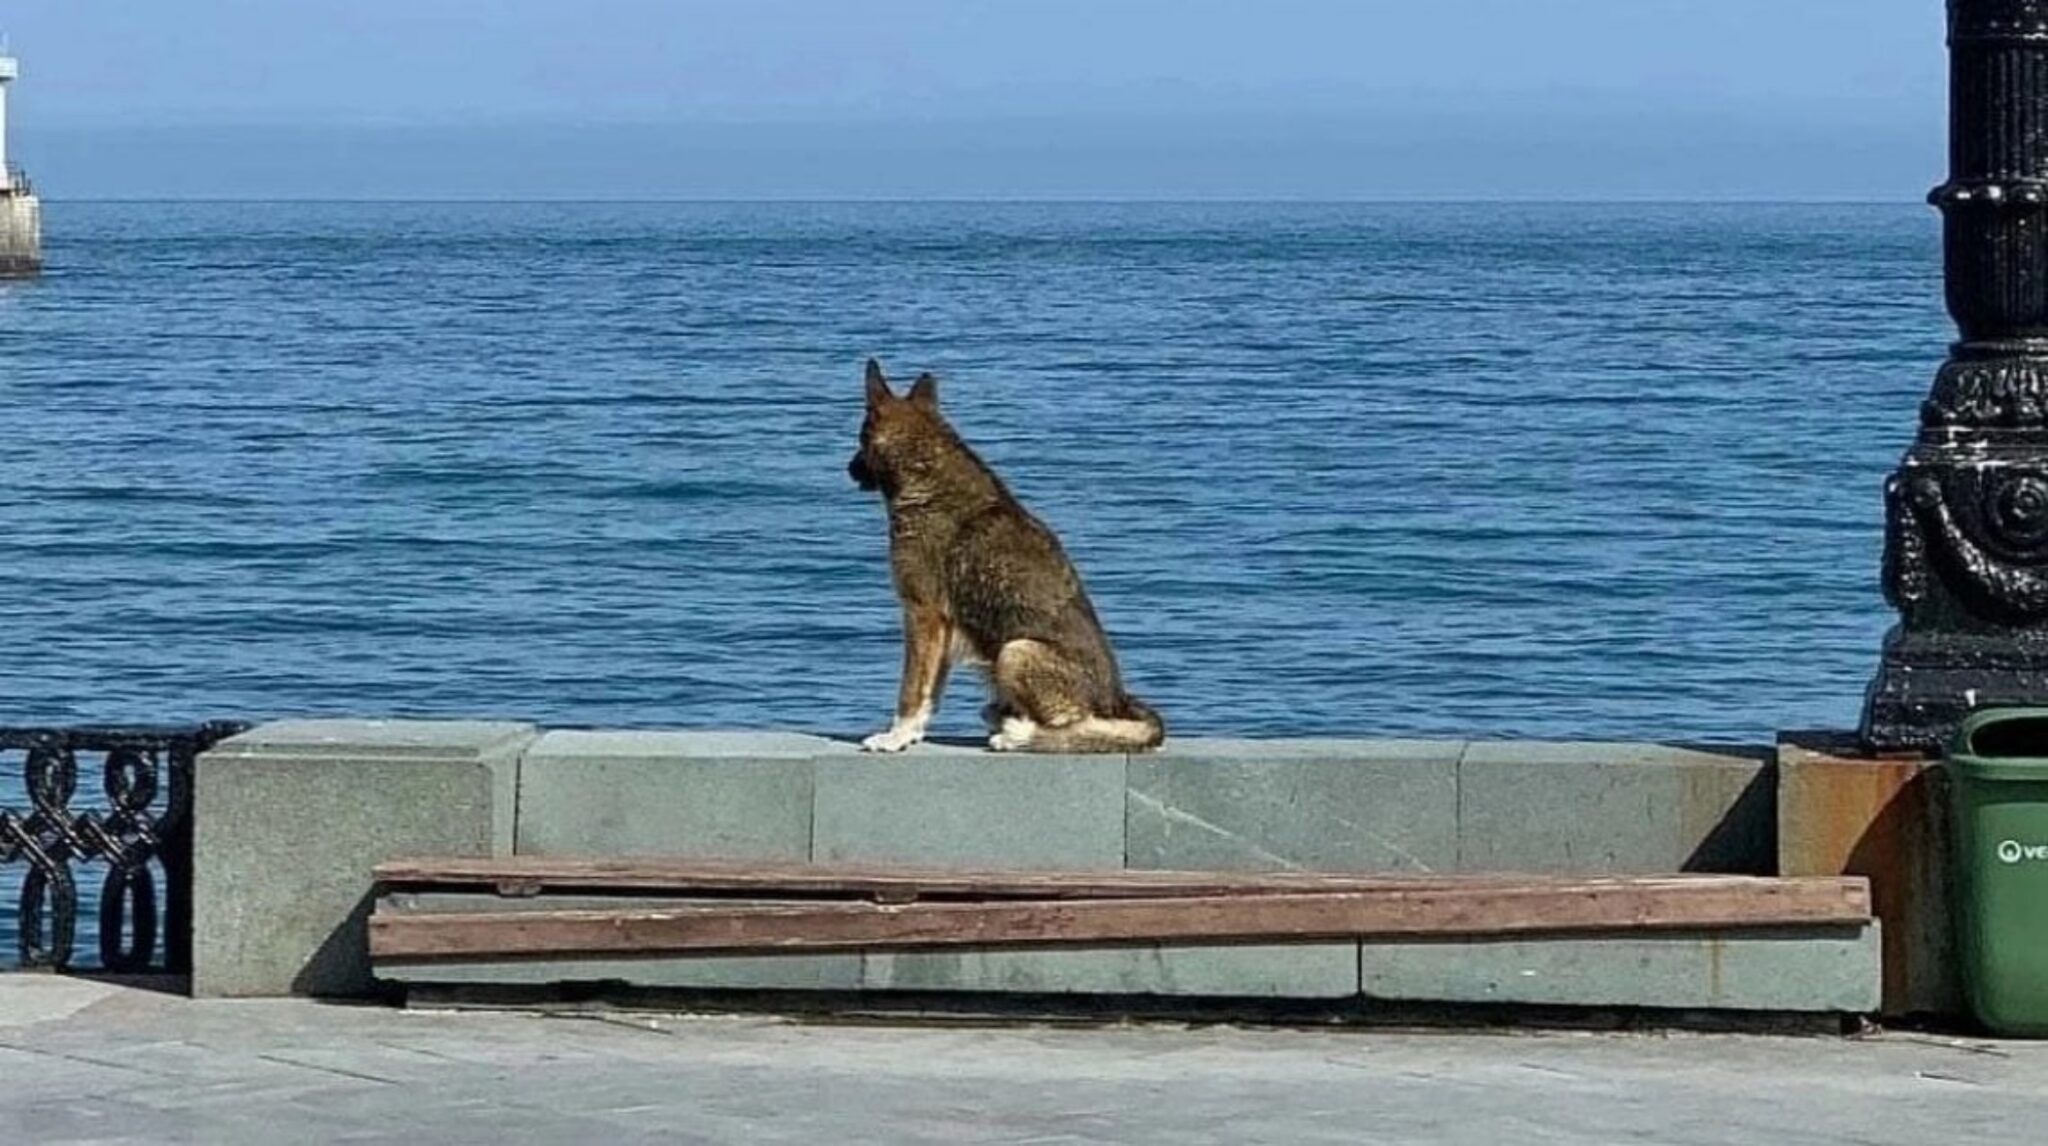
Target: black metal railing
(137, 826)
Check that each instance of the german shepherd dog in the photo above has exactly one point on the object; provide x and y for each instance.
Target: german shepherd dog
(984, 582)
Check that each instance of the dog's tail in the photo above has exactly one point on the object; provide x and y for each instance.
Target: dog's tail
(1154, 725)
(1133, 727)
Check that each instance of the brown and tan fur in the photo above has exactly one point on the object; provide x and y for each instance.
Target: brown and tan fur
(982, 581)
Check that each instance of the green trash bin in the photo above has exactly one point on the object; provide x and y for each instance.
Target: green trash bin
(1998, 766)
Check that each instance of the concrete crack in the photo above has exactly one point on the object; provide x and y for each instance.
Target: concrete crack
(333, 1070)
(1178, 816)
(87, 1060)
(1381, 841)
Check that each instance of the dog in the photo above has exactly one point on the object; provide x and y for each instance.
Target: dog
(983, 582)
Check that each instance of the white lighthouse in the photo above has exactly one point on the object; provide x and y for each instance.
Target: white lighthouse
(21, 215)
(9, 69)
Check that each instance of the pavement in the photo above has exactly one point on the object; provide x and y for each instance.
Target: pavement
(91, 1062)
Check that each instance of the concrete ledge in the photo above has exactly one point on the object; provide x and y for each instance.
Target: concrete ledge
(1783, 972)
(970, 807)
(1333, 805)
(1266, 971)
(289, 818)
(21, 234)
(1624, 809)
(1842, 812)
(729, 795)
(1317, 805)
(292, 815)
(1815, 971)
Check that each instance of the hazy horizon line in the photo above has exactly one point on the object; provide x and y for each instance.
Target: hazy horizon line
(999, 200)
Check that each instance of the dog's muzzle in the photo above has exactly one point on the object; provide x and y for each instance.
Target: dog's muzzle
(862, 476)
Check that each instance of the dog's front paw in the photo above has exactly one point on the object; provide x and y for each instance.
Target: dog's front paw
(893, 740)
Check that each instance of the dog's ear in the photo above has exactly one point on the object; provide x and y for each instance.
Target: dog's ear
(925, 391)
(878, 386)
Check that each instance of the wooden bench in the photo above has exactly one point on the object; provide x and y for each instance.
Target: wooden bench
(540, 908)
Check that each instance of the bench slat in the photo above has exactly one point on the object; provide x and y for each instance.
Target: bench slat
(1442, 908)
(532, 875)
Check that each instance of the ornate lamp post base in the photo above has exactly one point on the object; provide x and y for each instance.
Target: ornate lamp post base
(1927, 682)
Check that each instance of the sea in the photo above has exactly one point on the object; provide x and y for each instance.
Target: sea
(1439, 470)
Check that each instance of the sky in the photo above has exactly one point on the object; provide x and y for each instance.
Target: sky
(1158, 99)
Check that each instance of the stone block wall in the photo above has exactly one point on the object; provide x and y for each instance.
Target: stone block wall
(293, 815)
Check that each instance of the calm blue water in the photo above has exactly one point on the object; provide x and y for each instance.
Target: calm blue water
(1330, 469)
(1465, 470)
(1487, 470)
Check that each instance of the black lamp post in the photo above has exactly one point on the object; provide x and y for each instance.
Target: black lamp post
(1966, 534)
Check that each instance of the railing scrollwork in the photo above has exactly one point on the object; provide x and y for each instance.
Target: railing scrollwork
(136, 824)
